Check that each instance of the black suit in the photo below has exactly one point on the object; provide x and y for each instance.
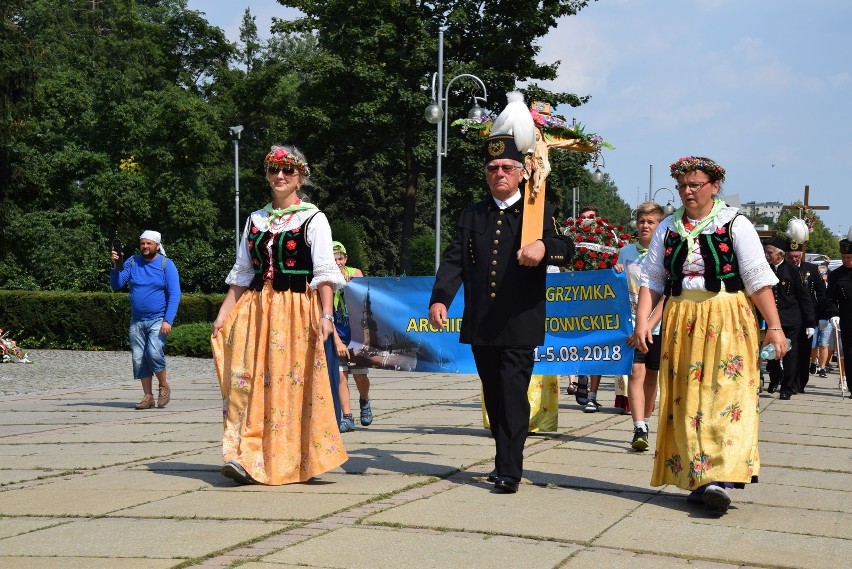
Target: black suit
(816, 290)
(840, 297)
(796, 313)
(504, 312)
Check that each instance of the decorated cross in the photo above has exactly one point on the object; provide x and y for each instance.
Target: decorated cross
(806, 211)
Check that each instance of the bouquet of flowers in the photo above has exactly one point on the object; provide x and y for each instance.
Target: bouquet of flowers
(596, 241)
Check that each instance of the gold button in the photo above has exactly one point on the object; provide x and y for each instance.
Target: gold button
(493, 295)
(502, 212)
(499, 222)
(496, 242)
(494, 252)
(493, 273)
(494, 262)
(497, 232)
(493, 285)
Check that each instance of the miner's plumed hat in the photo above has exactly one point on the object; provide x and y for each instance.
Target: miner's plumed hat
(780, 243)
(499, 146)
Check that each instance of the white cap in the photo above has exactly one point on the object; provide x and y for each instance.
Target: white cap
(153, 236)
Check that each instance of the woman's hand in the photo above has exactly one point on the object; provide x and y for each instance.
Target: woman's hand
(642, 337)
(326, 328)
(217, 325)
(342, 350)
(777, 339)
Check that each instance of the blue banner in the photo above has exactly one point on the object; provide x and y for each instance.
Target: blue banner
(588, 322)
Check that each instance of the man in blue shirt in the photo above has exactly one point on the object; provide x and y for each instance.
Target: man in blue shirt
(154, 298)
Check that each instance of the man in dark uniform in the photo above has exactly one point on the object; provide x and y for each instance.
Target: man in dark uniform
(816, 290)
(796, 313)
(840, 295)
(504, 299)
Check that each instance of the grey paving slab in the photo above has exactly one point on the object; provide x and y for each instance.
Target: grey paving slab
(140, 432)
(805, 456)
(727, 544)
(87, 455)
(17, 526)
(598, 557)
(12, 476)
(474, 507)
(425, 550)
(434, 460)
(84, 563)
(48, 500)
(804, 478)
(127, 537)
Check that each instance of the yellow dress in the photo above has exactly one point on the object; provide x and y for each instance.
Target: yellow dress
(543, 395)
(277, 408)
(709, 380)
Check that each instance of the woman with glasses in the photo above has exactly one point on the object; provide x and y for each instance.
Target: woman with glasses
(278, 411)
(709, 263)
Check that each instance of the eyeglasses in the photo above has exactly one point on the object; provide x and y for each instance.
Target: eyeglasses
(507, 168)
(694, 186)
(286, 170)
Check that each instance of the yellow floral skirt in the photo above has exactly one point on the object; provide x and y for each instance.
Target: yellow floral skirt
(709, 380)
(543, 395)
(277, 408)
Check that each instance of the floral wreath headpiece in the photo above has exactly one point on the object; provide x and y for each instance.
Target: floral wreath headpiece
(691, 163)
(282, 157)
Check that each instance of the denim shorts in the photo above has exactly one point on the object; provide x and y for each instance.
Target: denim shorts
(822, 336)
(146, 347)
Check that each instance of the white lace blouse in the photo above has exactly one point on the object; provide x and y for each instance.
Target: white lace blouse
(318, 238)
(754, 269)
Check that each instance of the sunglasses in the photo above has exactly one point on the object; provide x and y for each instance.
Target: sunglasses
(507, 168)
(286, 170)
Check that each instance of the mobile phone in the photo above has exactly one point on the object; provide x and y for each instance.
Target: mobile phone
(116, 246)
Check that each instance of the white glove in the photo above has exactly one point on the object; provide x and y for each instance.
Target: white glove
(835, 321)
(823, 324)
(809, 332)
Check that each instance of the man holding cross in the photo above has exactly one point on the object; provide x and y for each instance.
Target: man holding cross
(504, 298)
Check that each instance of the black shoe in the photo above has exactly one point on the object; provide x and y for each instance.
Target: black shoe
(716, 499)
(492, 476)
(772, 388)
(813, 368)
(505, 485)
(640, 439)
(822, 373)
(784, 396)
(237, 473)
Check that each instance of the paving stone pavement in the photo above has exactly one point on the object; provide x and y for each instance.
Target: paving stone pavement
(87, 481)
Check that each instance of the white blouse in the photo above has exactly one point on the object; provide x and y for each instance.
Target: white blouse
(754, 269)
(318, 238)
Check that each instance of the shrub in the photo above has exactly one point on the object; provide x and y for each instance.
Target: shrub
(190, 340)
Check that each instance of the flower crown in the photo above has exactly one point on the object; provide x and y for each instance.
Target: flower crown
(690, 163)
(282, 157)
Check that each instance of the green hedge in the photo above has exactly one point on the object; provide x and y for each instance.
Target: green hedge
(190, 340)
(86, 321)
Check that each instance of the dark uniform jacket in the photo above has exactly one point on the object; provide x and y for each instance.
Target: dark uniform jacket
(504, 303)
(795, 307)
(840, 294)
(816, 288)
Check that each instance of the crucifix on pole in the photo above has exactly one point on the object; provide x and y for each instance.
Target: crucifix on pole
(805, 206)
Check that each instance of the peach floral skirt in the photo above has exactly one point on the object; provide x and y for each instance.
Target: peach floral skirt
(277, 407)
(709, 381)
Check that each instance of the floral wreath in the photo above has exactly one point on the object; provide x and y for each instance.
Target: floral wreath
(691, 163)
(282, 157)
(596, 243)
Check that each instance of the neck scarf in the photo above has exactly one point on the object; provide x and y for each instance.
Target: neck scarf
(690, 236)
(642, 250)
(279, 213)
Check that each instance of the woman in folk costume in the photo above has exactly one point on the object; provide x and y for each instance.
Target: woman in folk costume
(267, 340)
(709, 262)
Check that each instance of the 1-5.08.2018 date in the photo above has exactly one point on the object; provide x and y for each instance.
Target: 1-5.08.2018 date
(578, 354)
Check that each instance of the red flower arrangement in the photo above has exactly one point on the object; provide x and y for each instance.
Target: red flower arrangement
(596, 242)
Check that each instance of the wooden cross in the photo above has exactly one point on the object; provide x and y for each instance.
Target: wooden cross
(803, 207)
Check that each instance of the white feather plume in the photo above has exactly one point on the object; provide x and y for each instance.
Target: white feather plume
(517, 121)
(849, 235)
(797, 230)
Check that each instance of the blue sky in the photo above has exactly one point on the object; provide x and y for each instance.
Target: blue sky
(764, 87)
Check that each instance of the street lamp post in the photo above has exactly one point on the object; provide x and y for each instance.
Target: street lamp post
(436, 113)
(235, 133)
(669, 208)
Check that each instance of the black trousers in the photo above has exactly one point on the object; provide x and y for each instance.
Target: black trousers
(505, 373)
(804, 359)
(787, 377)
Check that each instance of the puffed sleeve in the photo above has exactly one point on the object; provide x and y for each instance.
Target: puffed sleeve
(319, 239)
(242, 272)
(754, 269)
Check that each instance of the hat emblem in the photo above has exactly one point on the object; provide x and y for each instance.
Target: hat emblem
(496, 147)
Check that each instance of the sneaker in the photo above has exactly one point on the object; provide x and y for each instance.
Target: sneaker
(716, 499)
(581, 392)
(828, 368)
(640, 439)
(164, 396)
(347, 424)
(813, 368)
(235, 471)
(822, 373)
(147, 402)
(592, 406)
(366, 412)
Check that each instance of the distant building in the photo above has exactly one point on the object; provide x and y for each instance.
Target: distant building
(769, 209)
